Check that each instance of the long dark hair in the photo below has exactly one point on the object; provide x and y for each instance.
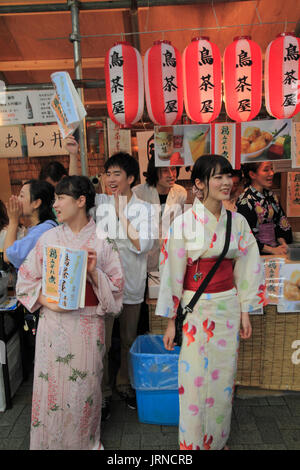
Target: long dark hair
(45, 192)
(3, 216)
(76, 186)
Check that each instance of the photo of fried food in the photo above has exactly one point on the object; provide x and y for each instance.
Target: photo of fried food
(291, 289)
(245, 144)
(295, 278)
(254, 140)
(251, 133)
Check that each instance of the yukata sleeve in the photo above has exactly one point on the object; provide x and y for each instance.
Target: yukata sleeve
(173, 261)
(282, 226)
(110, 280)
(18, 251)
(245, 208)
(29, 281)
(248, 270)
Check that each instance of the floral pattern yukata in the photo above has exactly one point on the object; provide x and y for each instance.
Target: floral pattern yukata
(66, 402)
(208, 356)
(261, 209)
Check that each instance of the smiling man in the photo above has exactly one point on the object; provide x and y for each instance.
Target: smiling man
(130, 222)
(161, 189)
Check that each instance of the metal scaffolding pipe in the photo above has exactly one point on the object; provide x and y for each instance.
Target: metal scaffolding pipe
(75, 39)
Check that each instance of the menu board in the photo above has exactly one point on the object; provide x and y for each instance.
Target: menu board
(293, 195)
(26, 107)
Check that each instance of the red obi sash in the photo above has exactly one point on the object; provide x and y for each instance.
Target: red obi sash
(90, 296)
(221, 281)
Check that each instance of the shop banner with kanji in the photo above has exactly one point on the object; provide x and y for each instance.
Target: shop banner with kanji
(296, 145)
(10, 142)
(293, 195)
(224, 140)
(119, 140)
(43, 141)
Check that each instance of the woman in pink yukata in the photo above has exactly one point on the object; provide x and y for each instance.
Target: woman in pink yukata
(208, 356)
(66, 403)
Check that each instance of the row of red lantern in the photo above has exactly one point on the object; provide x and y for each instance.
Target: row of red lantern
(195, 79)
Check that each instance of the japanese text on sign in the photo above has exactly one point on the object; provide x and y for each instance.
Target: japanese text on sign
(44, 140)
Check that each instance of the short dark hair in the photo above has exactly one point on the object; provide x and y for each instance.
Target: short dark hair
(152, 174)
(207, 165)
(237, 173)
(126, 162)
(54, 170)
(246, 168)
(45, 192)
(76, 186)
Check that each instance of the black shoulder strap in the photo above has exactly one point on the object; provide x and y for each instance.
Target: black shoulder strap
(209, 276)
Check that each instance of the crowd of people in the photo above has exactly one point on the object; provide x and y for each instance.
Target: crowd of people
(128, 231)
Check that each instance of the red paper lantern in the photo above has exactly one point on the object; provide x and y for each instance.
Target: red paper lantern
(282, 75)
(202, 87)
(163, 83)
(124, 84)
(242, 79)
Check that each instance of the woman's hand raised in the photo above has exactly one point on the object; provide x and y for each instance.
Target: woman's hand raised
(14, 209)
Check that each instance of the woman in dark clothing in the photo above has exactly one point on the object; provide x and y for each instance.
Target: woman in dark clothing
(261, 207)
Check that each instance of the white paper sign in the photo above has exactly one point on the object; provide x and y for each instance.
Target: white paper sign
(44, 141)
(119, 140)
(26, 107)
(10, 142)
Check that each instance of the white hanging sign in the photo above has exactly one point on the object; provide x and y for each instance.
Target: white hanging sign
(26, 107)
(119, 140)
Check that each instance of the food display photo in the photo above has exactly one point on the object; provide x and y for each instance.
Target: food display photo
(181, 145)
(290, 295)
(266, 140)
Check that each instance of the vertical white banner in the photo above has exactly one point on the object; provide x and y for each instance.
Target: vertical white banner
(119, 140)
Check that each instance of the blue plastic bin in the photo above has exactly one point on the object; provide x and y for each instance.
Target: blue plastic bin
(154, 375)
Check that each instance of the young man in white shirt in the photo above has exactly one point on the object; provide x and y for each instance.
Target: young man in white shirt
(161, 189)
(130, 222)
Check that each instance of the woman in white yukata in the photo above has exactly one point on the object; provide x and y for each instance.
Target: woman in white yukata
(208, 356)
(66, 403)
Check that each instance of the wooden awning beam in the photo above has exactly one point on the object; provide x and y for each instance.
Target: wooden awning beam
(51, 64)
